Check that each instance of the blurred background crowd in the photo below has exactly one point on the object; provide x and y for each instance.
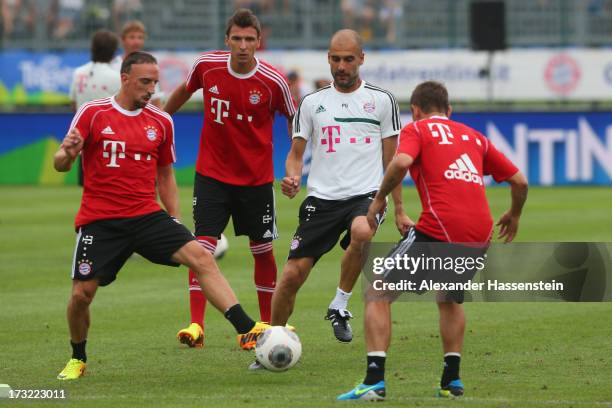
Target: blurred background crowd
(299, 24)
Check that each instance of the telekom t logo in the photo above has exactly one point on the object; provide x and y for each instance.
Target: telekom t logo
(441, 130)
(329, 130)
(219, 108)
(113, 152)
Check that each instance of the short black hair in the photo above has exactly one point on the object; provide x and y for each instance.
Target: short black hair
(430, 96)
(243, 18)
(104, 44)
(136, 57)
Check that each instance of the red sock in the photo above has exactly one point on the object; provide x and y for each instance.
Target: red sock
(197, 300)
(265, 276)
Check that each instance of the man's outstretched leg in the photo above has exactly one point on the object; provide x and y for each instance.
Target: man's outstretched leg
(452, 329)
(81, 297)
(193, 335)
(218, 291)
(352, 261)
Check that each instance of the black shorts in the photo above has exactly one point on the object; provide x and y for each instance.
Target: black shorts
(323, 221)
(103, 246)
(416, 244)
(251, 208)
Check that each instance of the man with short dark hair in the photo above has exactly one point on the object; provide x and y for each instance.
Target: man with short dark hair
(128, 149)
(234, 170)
(96, 79)
(447, 161)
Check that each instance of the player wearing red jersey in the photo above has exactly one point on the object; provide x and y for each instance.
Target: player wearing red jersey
(447, 162)
(234, 171)
(127, 147)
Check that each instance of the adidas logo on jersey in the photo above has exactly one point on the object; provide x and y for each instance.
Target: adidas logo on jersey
(268, 234)
(320, 109)
(214, 90)
(107, 131)
(463, 169)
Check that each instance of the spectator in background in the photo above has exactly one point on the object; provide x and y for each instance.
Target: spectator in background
(390, 14)
(297, 87)
(63, 17)
(96, 79)
(17, 17)
(126, 10)
(359, 15)
(133, 35)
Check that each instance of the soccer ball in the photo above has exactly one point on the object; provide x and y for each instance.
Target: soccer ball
(278, 348)
(222, 247)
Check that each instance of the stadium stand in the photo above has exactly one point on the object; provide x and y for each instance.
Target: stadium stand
(290, 24)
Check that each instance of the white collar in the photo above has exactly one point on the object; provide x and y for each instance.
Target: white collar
(239, 75)
(124, 111)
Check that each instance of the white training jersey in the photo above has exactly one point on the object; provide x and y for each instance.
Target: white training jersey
(94, 80)
(345, 131)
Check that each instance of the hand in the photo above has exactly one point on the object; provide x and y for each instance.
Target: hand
(509, 226)
(403, 222)
(290, 185)
(376, 208)
(72, 143)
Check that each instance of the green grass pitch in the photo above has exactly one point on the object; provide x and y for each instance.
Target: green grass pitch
(516, 354)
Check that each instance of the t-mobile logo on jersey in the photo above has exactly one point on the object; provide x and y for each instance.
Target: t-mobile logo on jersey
(219, 108)
(329, 131)
(113, 154)
(441, 130)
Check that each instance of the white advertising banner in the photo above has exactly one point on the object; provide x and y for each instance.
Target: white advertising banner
(530, 74)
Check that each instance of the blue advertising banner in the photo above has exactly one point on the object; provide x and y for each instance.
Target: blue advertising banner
(551, 148)
(37, 78)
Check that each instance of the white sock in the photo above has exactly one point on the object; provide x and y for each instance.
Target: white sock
(341, 299)
(377, 354)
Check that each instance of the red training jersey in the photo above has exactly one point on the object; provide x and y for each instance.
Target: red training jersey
(236, 137)
(121, 152)
(450, 162)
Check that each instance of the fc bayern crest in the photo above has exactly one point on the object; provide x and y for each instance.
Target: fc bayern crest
(254, 97)
(295, 243)
(151, 133)
(84, 268)
(369, 107)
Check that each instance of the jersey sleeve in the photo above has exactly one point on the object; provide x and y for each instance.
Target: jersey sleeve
(410, 141)
(194, 78)
(390, 123)
(167, 151)
(284, 102)
(302, 120)
(82, 120)
(496, 164)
